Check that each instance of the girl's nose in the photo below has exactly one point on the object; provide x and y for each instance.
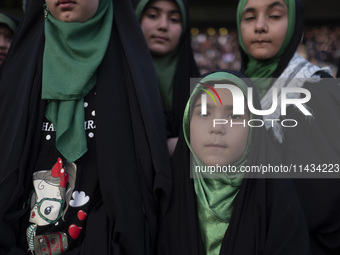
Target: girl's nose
(218, 127)
(163, 23)
(261, 24)
(3, 42)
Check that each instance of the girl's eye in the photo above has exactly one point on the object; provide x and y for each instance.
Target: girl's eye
(175, 20)
(197, 112)
(9, 38)
(152, 16)
(234, 117)
(275, 16)
(249, 18)
(208, 114)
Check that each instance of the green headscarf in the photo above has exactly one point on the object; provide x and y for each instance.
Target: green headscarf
(265, 68)
(8, 22)
(215, 196)
(73, 51)
(165, 65)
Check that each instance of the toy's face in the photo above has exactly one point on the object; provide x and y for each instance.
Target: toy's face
(46, 203)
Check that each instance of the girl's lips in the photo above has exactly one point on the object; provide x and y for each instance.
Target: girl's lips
(216, 146)
(261, 41)
(160, 38)
(65, 4)
(33, 215)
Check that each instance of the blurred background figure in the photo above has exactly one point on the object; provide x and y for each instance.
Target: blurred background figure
(8, 27)
(166, 28)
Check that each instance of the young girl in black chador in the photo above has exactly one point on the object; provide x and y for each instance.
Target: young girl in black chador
(269, 34)
(165, 25)
(84, 139)
(229, 212)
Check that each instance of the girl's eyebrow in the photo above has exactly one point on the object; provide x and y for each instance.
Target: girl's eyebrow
(159, 10)
(249, 9)
(228, 107)
(276, 3)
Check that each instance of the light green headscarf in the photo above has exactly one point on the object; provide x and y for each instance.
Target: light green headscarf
(165, 65)
(265, 68)
(215, 196)
(73, 51)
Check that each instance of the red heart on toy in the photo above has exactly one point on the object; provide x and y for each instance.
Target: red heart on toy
(82, 215)
(74, 231)
(44, 249)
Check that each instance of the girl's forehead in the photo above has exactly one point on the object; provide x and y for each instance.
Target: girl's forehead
(163, 2)
(166, 5)
(267, 4)
(223, 94)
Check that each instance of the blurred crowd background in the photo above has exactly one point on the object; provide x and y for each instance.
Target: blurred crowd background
(214, 36)
(218, 47)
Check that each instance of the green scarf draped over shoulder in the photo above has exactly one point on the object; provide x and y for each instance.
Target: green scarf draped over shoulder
(215, 196)
(73, 51)
(165, 66)
(265, 68)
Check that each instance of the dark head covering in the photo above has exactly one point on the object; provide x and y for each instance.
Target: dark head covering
(266, 217)
(9, 20)
(183, 68)
(132, 158)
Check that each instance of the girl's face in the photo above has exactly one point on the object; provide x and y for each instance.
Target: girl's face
(6, 36)
(263, 27)
(222, 144)
(161, 24)
(72, 10)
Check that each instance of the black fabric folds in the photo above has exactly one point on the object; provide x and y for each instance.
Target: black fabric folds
(186, 69)
(313, 142)
(267, 217)
(133, 164)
